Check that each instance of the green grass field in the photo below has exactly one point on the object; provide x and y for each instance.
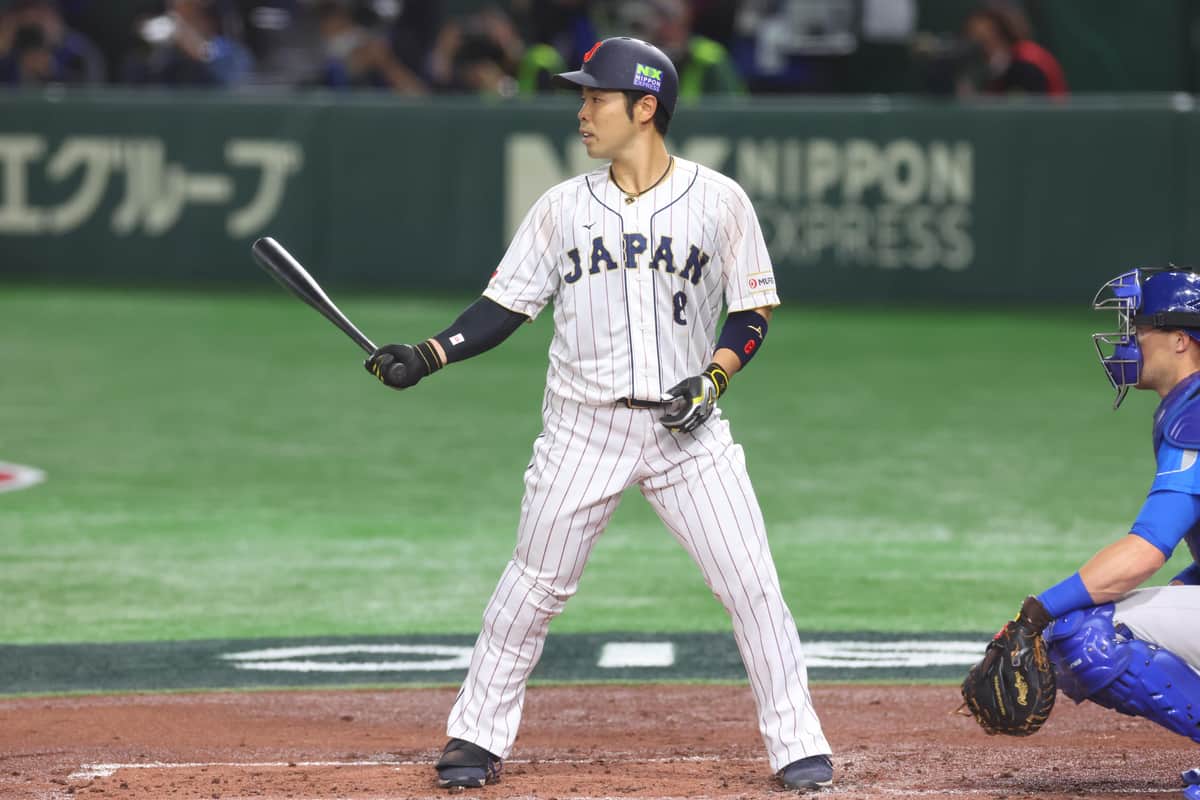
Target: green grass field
(221, 466)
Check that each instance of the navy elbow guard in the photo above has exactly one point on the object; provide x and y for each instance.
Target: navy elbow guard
(743, 333)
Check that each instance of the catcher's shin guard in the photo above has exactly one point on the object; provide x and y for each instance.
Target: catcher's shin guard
(1105, 664)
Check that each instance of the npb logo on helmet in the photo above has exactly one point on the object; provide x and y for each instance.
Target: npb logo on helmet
(647, 78)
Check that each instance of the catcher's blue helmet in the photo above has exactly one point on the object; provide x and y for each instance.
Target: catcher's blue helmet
(1160, 298)
(625, 64)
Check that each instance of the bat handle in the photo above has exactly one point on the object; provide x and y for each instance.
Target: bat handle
(362, 341)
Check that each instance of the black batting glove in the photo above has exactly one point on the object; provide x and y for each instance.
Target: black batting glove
(695, 399)
(403, 365)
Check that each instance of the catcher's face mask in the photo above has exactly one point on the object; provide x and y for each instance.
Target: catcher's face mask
(1165, 299)
(1118, 351)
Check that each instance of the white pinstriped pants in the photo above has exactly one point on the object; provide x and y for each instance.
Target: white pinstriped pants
(697, 482)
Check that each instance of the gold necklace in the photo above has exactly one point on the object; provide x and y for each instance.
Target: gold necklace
(631, 196)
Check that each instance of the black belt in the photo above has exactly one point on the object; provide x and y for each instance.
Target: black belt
(630, 402)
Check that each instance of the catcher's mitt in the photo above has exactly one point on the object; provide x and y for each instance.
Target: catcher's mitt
(1012, 690)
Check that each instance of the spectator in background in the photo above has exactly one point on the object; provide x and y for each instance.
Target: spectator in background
(109, 24)
(714, 19)
(28, 59)
(478, 53)
(187, 46)
(37, 47)
(357, 57)
(1007, 60)
(565, 25)
(788, 46)
(283, 39)
(560, 31)
(703, 64)
(414, 30)
(539, 64)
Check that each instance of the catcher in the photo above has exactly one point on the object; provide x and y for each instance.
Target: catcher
(1136, 651)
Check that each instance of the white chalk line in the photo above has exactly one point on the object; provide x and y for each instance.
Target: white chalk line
(91, 771)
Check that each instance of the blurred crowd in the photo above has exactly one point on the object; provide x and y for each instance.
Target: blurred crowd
(503, 48)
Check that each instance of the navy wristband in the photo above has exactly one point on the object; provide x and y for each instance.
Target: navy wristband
(1066, 596)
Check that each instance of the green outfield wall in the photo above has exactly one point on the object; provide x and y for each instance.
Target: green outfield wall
(868, 199)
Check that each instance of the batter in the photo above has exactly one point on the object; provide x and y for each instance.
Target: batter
(638, 257)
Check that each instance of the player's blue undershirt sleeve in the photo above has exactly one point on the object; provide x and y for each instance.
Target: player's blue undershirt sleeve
(1165, 519)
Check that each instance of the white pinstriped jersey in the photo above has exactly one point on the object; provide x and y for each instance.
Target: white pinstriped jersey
(637, 287)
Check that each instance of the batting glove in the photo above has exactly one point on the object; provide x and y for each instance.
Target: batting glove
(695, 399)
(403, 365)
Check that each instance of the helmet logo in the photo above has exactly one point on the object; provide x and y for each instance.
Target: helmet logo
(588, 55)
(647, 78)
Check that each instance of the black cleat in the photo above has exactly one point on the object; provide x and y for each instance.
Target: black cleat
(807, 774)
(466, 766)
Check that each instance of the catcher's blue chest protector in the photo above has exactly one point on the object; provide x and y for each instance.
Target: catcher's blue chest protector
(1177, 420)
(1093, 660)
(1177, 451)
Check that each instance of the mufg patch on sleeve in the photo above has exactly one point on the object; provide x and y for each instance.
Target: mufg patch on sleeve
(761, 282)
(647, 78)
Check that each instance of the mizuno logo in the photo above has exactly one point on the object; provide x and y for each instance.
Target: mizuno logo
(589, 225)
(756, 329)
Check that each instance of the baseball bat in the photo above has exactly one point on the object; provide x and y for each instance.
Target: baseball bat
(281, 266)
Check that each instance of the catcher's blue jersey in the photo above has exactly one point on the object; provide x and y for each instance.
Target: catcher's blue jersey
(1176, 470)
(1172, 509)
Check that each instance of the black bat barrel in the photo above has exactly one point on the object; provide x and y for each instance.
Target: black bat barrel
(281, 266)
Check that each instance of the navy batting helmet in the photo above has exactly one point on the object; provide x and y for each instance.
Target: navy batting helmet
(625, 64)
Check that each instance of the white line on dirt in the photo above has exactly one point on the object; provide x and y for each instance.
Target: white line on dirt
(91, 771)
(106, 770)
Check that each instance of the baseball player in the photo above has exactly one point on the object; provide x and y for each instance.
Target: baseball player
(1137, 651)
(638, 258)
